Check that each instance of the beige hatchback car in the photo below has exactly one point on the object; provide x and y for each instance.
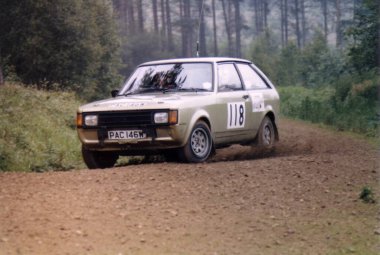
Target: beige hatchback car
(183, 109)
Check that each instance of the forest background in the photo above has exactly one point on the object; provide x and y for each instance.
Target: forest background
(323, 56)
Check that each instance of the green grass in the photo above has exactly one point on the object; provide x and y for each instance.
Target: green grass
(37, 130)
(356, 109)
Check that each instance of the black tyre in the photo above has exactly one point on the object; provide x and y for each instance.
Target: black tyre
(98, 159)
(199, 146)
(266, 135)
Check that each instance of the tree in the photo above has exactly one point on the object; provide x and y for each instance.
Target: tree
(187, 24)
(296, 15)
(237, 28)
(163, 22)
(324, 12)
(303, 22)
(339, 34)
(169, 27)
(140, 15)
(227, 22)
(284, 22)
(202, 29)
(216, 53)
(131, 16)
(364, 51)
(155, 15)
(73, 43)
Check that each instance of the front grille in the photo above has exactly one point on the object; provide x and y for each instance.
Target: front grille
(126, 119)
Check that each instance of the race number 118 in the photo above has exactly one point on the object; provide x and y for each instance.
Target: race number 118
(236, 115)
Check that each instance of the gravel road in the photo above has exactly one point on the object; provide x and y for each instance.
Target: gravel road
(303, 198)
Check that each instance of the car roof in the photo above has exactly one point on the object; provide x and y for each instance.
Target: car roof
(195, 60)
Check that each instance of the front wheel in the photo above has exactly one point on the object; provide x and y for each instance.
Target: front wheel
(266, 135)
(98, 159)
(199, 145)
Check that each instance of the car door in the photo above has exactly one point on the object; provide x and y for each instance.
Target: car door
(261, 95)
(232, 103)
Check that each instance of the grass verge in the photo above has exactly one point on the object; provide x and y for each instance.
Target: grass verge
(37, 130)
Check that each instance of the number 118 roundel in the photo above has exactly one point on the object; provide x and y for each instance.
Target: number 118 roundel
(183, 109)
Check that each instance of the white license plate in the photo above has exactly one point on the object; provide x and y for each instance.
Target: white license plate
(126, 134)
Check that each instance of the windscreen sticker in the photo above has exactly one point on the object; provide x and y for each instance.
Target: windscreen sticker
(257, 102)
(236, 115)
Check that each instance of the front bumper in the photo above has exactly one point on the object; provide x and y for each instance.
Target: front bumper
(158, 138)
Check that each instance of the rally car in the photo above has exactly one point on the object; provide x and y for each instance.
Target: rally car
(181, 108)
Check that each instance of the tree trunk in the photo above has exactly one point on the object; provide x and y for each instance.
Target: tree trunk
(231, 24)
(131, 16)
(188, 28)
(140, 16)
(202, 30)
(120, 7)
(296, 14)
(258, 16)
(155, 15)
(339, 35)
(282, 23)
(265, 14)
(303, 23)
(286, 23)
(169, 27)
(237, 28)
(183, 28)
(228, 29)
(163, 27)
(214, 29)
(324, 11)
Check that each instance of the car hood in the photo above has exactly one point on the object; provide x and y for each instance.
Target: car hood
(143, 101)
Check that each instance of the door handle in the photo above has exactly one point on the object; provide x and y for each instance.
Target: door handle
(246, 96)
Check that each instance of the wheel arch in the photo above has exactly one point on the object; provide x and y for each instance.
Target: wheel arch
(201, 115)
(272, 117)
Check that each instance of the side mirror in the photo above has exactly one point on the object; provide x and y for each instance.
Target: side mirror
(114, 93)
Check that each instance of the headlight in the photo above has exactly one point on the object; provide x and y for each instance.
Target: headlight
(161, 117)
(91, 120)
(170, 117)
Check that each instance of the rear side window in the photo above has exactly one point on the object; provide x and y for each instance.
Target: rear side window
(228, 78)
(251, 79)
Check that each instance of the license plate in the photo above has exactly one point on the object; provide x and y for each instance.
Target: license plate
(126, 134)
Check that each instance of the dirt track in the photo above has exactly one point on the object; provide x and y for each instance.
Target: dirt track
(301, 199)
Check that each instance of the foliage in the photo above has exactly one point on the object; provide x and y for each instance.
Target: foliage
(364, 51)
(37, 130)
(73, 43)
(286, 71)
(263, 53)
(319, 64)
(352, 104)
(317, 84)
(315, 65)
(367, 195)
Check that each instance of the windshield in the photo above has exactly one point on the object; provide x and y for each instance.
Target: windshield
(167, 77)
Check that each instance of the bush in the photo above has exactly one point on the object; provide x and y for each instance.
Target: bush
(367, 195)
(349, 105)
(37, 130)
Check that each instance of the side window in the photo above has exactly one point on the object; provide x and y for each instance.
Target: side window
(251, 79)
(228, 78)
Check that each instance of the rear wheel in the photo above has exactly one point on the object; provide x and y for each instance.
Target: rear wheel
(199, 146)
(98, 159)
(266, 135)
